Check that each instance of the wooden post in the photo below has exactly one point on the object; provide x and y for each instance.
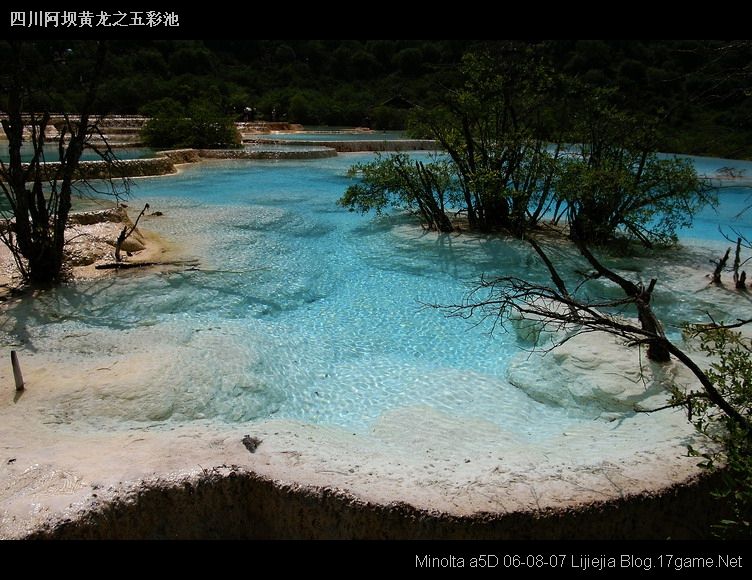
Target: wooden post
(16, 371)
(737, 261)
(719, 266)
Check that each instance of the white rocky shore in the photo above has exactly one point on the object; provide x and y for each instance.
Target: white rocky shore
(52, 466)
(57, 463)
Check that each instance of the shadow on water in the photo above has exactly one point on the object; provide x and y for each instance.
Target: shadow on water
(462, 256)
(467, 256)
(129, 300)
(66, 303)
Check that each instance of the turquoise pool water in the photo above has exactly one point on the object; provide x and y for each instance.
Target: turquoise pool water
(303, 310)
(735, 209)
(88, 155)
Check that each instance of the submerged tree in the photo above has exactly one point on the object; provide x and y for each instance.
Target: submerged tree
(573, 312)
(500, 164)
(38, 193)
(496, 129)
(526, 144)
(425, 189)
(721, 408)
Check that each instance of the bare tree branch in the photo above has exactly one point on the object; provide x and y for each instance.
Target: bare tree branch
(125, 234)
(555, 310)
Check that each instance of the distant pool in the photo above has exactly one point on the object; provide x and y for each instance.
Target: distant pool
(88, 155)
(268, 146)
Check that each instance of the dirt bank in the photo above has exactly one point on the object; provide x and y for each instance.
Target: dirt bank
(90, 241)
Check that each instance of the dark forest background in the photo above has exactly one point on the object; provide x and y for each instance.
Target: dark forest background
(702, 88)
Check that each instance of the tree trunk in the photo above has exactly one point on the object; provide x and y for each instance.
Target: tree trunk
(737, 263)
(45, 265)
(657, 350)
(719, 266)
(41, 213)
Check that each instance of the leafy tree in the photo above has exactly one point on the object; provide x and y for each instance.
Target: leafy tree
(731, 373)
(409, 61)
(298, 110)
(613, 181)
(285, 54)
(365, 65)
(495, 130)
(516, 165)
(191, 57)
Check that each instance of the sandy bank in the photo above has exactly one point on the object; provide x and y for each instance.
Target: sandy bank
(90, 241)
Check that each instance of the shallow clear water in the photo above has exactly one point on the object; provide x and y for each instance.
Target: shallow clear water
(331, 299)
(309, 311)
(735, 210)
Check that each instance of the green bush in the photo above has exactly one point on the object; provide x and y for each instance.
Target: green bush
(731, 374)
(200, 126)
(389, 118)
(298, 109)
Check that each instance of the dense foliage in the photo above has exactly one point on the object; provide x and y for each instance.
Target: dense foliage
(494, 128)
(700, 86)
(426, 189)
(613, 180)
(510, 163)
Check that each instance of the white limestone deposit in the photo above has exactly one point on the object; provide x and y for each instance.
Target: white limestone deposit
(56, 458)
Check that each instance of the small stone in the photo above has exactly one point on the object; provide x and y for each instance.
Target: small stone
(251, 443)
